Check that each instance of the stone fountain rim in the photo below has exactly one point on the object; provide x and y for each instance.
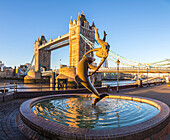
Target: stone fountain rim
(50, 129)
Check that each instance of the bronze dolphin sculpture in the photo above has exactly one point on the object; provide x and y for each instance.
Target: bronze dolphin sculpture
(82, 76)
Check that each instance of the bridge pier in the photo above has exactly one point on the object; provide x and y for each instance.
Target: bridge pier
(32, 77)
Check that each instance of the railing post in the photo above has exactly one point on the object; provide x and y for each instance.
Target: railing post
(53, 80)
(66, 84)
(4, 87)
(14, 86)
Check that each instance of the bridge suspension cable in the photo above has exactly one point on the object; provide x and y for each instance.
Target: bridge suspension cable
(91, 44)
(29, 67)
(160, 61)
(127, 62)
(165, 62)
(111, 53)
(123, 61)
(32, 59)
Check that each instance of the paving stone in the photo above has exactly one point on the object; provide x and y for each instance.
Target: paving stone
(8, 127)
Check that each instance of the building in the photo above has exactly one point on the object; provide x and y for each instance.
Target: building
(5, 71)
(1, 66)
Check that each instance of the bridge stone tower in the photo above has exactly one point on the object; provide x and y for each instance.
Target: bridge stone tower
(42, 56)
(77, 46)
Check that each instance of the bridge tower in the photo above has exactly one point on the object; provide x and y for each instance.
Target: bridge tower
(42, 56)
(77, 46)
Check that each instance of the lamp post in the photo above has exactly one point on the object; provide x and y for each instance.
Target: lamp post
(138, 74)
(118, 62)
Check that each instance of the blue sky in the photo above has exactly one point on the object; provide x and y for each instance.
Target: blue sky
(137, 29)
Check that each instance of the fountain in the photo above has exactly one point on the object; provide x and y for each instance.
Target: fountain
(75, 116)
(71, 116)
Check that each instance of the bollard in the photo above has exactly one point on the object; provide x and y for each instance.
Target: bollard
(108, 88)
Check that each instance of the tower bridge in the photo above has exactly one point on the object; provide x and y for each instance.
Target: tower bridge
(81, 38)
(77, 47)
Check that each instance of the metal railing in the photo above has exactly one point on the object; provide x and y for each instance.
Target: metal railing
(136, 68)
(12, 87)
(15, 86)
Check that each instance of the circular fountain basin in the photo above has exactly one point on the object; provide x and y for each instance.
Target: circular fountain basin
(77, 111)
(73, 117)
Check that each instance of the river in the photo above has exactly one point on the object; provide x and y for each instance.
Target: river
(46, 87)
(114, 82)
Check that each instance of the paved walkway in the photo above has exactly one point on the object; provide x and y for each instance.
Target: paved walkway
(159, 92)
(9, 110)
(8, 127)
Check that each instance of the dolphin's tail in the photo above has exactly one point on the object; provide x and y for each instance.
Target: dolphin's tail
(104, 38)
(77, 80)
(97, 99)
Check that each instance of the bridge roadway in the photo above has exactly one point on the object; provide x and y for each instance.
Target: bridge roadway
(133, 70)
(121, 70)
(58, 42)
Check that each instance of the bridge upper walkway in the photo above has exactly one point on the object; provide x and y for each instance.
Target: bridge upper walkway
(123, 70)
(134, 70)
(55, 41)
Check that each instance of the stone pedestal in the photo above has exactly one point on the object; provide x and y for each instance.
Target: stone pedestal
(32, 77)
(66, 74)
